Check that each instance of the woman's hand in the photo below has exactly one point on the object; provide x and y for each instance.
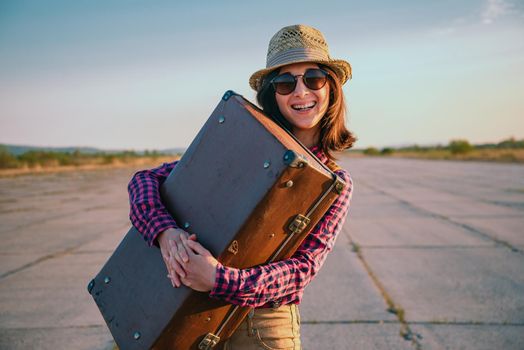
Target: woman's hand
(174, 252)
(200, 268)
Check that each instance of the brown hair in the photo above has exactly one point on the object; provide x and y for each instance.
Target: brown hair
(334, 136)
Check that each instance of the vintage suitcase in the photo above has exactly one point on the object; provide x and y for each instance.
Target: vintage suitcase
(251, 192)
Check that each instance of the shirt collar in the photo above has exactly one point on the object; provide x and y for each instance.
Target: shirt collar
(317, 151)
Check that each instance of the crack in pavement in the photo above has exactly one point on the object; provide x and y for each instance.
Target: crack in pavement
(444, 323)
(467, 323)
(51, 218)
(429, 213)
(53, 255)
(89, 326)
(513, 205)
(405, 331)
(426, 246)
(351, 322)
(37, 261)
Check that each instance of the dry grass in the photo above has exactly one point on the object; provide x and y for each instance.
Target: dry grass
(492, 155)
(141, 162)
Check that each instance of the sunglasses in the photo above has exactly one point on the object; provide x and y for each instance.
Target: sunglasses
(313, 78)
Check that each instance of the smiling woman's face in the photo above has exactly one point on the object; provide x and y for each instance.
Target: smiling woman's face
(304, 120)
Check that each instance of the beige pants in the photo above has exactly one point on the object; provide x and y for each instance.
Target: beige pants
(268, 329)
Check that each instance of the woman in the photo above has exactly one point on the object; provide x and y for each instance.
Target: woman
(301, 88)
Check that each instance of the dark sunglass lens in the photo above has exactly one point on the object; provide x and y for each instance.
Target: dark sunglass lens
(315, 79)
(284, 84)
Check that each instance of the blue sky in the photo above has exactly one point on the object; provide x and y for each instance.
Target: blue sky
(147, 74)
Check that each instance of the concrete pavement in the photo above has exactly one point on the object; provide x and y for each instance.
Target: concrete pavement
(431, 257)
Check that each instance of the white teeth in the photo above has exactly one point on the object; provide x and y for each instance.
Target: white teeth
(305, 106)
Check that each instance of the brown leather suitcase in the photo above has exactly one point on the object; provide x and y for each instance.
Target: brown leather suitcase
(251, 192)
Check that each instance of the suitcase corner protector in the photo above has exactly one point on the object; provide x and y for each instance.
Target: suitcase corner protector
(90, 286)
(228, 94)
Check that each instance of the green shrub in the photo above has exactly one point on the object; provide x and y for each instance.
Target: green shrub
(371, 151)
(108, 158)
(511, 143)
(7, 160)
(460, 147)
(387, 151)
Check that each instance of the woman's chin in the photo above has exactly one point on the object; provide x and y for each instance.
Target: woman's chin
(304, 126)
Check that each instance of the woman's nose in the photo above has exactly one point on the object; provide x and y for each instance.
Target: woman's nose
(301, 88)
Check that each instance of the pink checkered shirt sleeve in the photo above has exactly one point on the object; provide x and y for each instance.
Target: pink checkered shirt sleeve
(147, 213)
(284, 281)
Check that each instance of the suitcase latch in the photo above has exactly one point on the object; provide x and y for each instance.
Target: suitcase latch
(233, 247)
(209, 342)
(299, 223)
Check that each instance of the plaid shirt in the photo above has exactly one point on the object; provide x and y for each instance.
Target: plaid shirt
(278, 283)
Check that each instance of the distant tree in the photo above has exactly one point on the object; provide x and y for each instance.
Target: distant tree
(371, 151)
(155, 154)
(386, 151)
(129, 153)
(7, 160)
(108, 158)
(460, 147)
(511, 143)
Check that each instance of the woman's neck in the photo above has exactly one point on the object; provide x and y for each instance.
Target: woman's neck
(309, 138)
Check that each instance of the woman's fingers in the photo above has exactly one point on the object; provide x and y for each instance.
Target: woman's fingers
(178, 250)
(175, 250)
(174, 269)
(170, 271)
(175, 253)
(182, 255)
(182, 249)
(178, 268)
(189, 251)
(175, 279)
(186, 282)
(196, 247)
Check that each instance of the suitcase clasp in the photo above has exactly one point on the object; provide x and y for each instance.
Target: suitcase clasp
(209, 342)
(299, 223)
(233, 247)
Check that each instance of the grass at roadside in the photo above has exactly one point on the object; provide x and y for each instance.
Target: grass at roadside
(45, 161)
(492, 155)
(138, 163)
(506, 151)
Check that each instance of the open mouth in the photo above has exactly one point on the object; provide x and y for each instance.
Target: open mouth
(304, 107)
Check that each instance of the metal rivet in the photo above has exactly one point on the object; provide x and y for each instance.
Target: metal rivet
(286, 156)
(266, 164)
(221, 119)
(289, 183)
(186, 225)
(272, 235)
(107, 279)
(208, 319)
(90, 286)
(136, 335)
(301, 164)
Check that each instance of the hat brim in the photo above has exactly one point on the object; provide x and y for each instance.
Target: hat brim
(341, 68)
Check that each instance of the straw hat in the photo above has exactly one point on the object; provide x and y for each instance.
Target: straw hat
(299, 43)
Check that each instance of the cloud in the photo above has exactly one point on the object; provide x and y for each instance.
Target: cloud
(451, 27)
(495, 9)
